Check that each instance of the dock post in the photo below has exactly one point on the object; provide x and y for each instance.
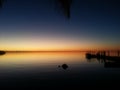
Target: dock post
(108, 53)
(104, 53)
(118, 53)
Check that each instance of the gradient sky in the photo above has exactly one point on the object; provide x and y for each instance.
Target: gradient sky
(41, 25)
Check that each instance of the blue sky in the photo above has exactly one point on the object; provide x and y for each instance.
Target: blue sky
(40, 24)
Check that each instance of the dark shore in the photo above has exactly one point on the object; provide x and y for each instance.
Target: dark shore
(2, 52)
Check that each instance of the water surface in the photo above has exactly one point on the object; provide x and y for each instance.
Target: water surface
(41, 69)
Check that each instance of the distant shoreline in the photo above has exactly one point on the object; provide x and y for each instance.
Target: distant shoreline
(40, 51)
(68, 51)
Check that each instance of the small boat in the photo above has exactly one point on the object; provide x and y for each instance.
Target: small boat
(2, 52)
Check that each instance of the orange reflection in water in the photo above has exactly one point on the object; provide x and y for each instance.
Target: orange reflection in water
(41, 58)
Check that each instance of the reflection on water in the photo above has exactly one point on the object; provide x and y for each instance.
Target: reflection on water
(47, 69)
(46, 61)
(41, 59)
(108, 61)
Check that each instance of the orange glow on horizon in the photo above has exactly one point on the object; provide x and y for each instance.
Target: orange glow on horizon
(53, 45)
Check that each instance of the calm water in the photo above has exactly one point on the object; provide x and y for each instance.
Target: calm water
(41, 70)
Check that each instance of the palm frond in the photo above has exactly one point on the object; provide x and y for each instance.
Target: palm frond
(66, 6)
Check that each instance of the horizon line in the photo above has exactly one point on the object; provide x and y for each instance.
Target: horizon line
(55, 50)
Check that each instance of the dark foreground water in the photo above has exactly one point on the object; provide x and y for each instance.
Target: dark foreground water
(43, 71)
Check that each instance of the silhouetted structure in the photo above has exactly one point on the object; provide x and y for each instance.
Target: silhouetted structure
(109, 61)
(118, 53)
(108, 53)
(101, 55)
(2, 52)
(64, 66)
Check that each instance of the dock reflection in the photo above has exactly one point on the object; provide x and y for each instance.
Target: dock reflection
(108, 61)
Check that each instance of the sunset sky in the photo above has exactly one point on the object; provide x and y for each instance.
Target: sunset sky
(41, 25)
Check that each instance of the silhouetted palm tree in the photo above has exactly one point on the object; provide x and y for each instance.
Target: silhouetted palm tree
(1, 3)
(65, 6)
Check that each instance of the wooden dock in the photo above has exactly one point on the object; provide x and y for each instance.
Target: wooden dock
(103, 55)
